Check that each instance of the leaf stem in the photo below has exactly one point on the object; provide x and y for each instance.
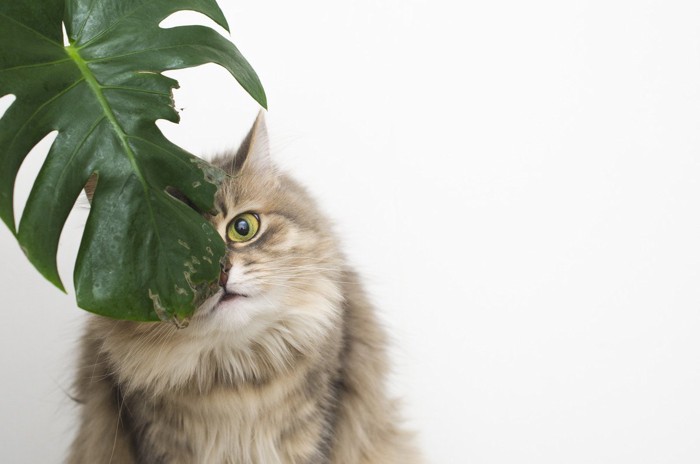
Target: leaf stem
(96, 87)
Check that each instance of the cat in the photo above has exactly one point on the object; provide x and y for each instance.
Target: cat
(285, 364)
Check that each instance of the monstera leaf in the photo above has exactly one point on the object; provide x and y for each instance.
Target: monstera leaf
(144, 255)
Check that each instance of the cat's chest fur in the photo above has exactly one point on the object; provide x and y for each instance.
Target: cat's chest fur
(243, 424)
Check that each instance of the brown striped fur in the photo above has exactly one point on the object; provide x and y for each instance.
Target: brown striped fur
(292, 373)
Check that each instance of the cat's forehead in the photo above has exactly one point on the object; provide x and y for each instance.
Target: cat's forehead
(242, 192)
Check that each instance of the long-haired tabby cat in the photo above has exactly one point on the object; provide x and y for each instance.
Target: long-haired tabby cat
(286, 364)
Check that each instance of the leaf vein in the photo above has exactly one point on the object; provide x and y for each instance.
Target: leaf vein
(134, 89)
(114, 24)
(87, 17)
(42, 106)
(46, 38)
(137, 52)
(35, 65)
(163, 149)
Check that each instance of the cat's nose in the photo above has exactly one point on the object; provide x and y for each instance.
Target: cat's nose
(223, 277)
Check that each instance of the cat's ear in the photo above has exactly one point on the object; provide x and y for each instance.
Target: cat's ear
(90, 187)
(253, 156)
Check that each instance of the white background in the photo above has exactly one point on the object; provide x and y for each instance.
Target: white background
(517, 181)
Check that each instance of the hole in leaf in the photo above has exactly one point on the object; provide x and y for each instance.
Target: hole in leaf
(29, 170)
(191, 18)
(66, 42)
(5, 103)
(178, 195)
(69, 243)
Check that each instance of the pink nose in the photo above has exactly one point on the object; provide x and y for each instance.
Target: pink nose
(223, 277)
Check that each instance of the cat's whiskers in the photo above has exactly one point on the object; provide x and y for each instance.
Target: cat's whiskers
(310, 280)
(155, 336)
(294, 274)
(101, 350)
(116, 429)
(288, 272)
(288, 285)
(162, 346)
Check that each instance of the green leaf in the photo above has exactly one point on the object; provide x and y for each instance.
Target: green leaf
(144, 255)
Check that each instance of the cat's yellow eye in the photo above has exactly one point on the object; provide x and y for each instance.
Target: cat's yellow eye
(243, 227)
